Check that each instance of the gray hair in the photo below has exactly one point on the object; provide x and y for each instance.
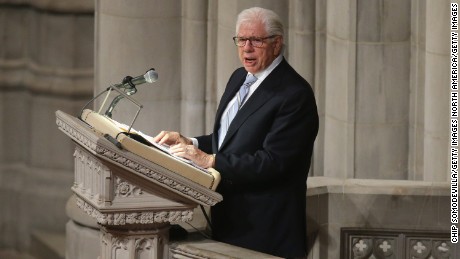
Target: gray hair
(270, 19)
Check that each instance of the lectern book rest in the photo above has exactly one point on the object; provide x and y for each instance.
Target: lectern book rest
(143, 145)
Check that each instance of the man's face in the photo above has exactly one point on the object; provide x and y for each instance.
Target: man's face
(256, 59)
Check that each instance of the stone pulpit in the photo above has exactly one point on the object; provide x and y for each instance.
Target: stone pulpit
(134, 196)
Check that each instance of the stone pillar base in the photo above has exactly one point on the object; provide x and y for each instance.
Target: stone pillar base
(131, 244)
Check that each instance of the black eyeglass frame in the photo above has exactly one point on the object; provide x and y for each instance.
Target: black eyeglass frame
(251, 39)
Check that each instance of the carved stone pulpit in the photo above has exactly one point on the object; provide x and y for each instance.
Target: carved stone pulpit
(133, 199)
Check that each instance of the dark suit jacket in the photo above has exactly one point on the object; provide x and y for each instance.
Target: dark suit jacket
(264, 161)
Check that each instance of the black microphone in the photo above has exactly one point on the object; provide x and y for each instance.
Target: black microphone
(129, 82)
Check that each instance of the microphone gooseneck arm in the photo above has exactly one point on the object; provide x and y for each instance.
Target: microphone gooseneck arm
(130, 91)
(118, 98)
(126, 88)
(114, 102)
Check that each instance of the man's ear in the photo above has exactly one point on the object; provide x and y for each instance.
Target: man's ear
(278, 45)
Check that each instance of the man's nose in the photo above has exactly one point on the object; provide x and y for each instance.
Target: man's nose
(248, 46)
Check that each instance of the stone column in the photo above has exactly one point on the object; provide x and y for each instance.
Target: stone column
(304, 49)
(211, 99)
(382, 89)
(367, 89)
(132, 37)
(417, 86)
(340, 89)
(429, 106)
(194, 58)
(437, 67)
(301, 40)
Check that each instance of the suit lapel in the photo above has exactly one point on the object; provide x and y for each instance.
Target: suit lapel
(230, 91)
(264, 92)
(257, 99)
(226, 98)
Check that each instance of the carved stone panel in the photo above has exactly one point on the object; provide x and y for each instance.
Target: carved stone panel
(91, 177)
(129, 245)
(379, 247)
(427, 248)
(393, 244)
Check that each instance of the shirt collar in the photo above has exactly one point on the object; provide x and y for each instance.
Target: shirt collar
(269, 69)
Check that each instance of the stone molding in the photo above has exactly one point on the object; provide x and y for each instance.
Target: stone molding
(143, 217)
(200, 248)
(82, 6)
(326, 185)
(25, 73)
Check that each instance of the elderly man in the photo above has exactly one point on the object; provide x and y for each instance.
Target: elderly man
(261, 144)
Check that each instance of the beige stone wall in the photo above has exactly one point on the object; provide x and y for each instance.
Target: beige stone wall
(379, 70)
(46, 64)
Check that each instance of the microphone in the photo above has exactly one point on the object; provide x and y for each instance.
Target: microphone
(130, 83)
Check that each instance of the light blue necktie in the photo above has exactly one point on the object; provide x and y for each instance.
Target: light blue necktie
(231, 113)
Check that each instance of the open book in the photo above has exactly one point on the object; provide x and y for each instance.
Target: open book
(143, 145)
(148, 140)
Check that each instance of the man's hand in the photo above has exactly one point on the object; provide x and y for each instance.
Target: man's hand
(194, 154)
(171, 138)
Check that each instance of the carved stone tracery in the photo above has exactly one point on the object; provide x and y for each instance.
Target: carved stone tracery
(144, 245)
(125, 189)
(143, 217)
(365, 243)
(426, 248)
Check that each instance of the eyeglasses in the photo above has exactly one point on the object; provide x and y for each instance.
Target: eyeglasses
(255, 42)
